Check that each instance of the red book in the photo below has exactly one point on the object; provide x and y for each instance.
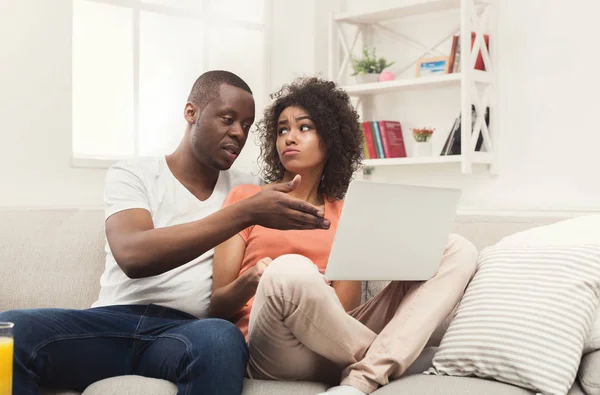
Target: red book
(479, 64)
(369, 139)
(384, 140)
(453, 54)
(393, 140)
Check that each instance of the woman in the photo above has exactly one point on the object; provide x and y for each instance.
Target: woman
(270, 283)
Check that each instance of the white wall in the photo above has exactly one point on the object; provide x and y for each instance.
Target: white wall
(548, 108)
(35, 109)
(300, 44)
(547, 101)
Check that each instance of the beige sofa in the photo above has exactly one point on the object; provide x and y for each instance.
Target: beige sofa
(54, 258)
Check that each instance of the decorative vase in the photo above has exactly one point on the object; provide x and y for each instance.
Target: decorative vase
(422, 148)
(367, 78)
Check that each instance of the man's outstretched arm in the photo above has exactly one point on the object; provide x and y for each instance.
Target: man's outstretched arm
(141, 250)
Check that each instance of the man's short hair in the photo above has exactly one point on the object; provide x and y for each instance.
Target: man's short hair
(206, 88)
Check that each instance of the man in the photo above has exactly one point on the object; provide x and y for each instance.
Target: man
(163, 218)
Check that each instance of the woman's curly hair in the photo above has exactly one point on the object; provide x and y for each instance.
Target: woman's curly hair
(337, 124)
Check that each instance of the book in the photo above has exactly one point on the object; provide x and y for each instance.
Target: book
(377, 138)
(453, 54)
(368, 134)
(394, 140)
(383, 139)
(455, 58)
(450, 140)
(364, 142)
(452, 146)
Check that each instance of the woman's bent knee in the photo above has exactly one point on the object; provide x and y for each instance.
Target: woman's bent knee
(292, 277)
(291, 268)
(292, 264)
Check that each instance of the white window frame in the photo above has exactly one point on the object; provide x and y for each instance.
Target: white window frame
(137, 6)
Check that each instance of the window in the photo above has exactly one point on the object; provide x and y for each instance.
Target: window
(134, 62)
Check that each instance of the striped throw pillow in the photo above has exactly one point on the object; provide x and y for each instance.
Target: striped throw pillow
(524, 317)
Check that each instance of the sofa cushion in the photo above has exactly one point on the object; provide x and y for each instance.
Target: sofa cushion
(445, 385)
(59, 392)
(264, 387)
(515, 292)
(53, 258)
(131, 385)
(137, 385)
(419, 384)
(134, 385)
(584, 229)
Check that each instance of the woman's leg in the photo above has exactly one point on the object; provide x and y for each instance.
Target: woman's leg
(406, 314)
(298, 328)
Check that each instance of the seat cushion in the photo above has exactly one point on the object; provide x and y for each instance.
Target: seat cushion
(448, 385)
(131, 385)
(415, 384)
(59, 392)
(264, 387)
(137, 385)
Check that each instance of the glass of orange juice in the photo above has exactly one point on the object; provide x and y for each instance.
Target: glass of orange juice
(6, 357)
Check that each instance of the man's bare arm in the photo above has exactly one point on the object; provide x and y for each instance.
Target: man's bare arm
(143, 251)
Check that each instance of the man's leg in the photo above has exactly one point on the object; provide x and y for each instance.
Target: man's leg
(205, 357)
(70, 349)
(298, 328)
(414, 310)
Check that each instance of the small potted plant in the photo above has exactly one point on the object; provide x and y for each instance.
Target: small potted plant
(368, 67)
(422, 145)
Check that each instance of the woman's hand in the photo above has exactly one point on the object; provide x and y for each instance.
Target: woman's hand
(255, 273)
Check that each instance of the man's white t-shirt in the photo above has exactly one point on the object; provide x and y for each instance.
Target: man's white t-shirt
(147, 183)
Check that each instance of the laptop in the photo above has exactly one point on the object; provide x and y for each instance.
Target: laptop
(391, 232)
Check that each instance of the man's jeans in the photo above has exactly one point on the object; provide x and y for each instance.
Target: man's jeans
(71, 349)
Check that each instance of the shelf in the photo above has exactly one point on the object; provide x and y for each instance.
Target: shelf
(472, 87)
(477, 158)
(410, 9)
(438, 81)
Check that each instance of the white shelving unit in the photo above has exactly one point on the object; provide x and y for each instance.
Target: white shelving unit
(477, 87)
(478, 158)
